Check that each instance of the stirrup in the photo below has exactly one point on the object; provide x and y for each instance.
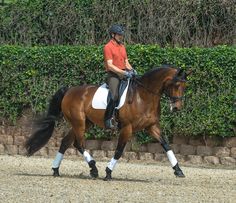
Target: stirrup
(111, 124)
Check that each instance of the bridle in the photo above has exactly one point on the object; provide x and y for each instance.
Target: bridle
(173, 99)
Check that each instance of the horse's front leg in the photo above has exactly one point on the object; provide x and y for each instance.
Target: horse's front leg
(155, 132)
(125, 135)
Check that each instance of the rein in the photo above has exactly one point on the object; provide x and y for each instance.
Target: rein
(139, 83)
(173, 99)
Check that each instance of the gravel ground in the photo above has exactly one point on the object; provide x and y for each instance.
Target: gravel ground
(25, 179)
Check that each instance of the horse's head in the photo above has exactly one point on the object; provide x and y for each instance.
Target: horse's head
(174, 88)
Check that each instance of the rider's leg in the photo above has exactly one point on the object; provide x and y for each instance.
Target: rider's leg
(113, 82)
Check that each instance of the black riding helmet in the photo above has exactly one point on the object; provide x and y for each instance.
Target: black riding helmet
(116, 29)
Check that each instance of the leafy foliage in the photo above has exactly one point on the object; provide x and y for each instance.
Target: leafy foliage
(174, 23)
(31, 75)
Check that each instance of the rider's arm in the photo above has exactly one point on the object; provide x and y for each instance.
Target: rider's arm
(113, 68)
(127, 64)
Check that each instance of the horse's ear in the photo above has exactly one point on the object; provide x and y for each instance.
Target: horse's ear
(189, 72)
(180, 74)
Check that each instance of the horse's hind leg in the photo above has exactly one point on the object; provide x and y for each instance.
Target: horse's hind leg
(125, 135)
(65, 144)
(79, 128)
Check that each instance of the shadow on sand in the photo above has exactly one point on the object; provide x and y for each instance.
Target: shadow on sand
(81, 176)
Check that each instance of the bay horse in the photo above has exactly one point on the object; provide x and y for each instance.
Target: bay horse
(142, 113)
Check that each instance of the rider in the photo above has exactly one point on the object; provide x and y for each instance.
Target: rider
(117, 67)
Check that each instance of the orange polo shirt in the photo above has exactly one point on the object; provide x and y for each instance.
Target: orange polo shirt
(115, 52)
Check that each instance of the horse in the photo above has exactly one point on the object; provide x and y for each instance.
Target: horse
(75, 103)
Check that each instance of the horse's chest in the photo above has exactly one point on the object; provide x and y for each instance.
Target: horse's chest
(146, 119)
(150, 117)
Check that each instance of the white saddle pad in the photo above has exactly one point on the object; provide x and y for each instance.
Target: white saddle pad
(100, 98)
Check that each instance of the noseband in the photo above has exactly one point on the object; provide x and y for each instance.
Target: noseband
(173, 99)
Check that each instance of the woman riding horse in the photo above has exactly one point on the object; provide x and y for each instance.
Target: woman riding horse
(143, 113)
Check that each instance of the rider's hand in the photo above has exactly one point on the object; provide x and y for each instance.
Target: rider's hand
(128, 74)
(134, 71)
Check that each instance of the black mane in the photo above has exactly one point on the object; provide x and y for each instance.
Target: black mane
(158, 69)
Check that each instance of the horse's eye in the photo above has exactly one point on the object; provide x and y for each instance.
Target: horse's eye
(176, 86)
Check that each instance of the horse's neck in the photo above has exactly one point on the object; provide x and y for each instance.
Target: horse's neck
(155, 82)
(151, 88)
(146, 96)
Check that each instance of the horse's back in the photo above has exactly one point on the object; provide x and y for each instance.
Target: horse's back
(78, 96)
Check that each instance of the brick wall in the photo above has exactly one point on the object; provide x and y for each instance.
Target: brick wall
(188, 150)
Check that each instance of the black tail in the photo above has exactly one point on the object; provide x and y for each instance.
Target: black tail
(44, 127)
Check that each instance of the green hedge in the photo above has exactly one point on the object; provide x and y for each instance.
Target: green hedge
(30, 75)
(183, 23)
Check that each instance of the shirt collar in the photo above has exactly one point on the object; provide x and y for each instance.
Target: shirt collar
(115, 43)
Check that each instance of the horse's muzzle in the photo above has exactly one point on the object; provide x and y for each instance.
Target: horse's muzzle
(174, 107)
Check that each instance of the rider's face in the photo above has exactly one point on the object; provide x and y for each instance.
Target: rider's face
(119, 38)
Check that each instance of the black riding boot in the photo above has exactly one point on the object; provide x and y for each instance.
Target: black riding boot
(109, 120)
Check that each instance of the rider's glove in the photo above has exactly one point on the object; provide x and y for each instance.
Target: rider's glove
(134, 72)
(128, 74)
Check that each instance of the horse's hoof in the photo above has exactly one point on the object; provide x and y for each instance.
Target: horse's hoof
(94, 173)
(107, 178)
(94, 170)
(108, 175)
(179, 174)
(111, 124)
(55, 172)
